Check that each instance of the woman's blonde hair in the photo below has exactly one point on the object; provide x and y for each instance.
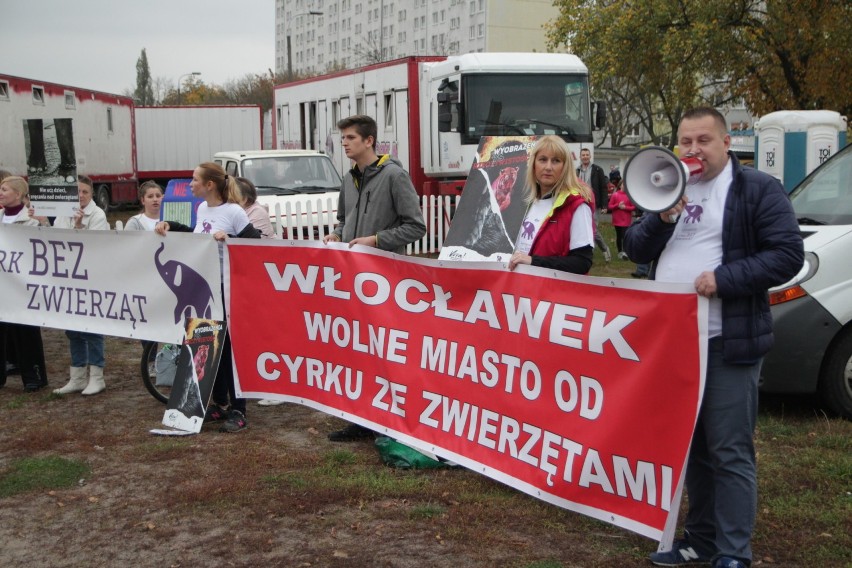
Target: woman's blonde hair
(19, 184)
(566, 182)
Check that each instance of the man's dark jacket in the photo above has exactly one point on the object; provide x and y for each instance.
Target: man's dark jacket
(761, 248)
(599, 182)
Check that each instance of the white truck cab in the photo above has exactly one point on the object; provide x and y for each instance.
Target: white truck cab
(813, 312)
(300, 187)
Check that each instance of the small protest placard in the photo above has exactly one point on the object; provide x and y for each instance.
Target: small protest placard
(196, 370)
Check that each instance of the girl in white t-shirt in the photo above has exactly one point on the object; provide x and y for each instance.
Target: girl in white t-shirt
(151, 198)
(220, 215)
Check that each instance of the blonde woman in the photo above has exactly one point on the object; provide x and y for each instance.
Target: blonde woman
(557, 231)
(23, 340)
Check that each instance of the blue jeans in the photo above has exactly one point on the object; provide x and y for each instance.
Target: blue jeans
(721, 474)
(86, 349)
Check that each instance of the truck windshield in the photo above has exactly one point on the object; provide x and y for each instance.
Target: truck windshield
(525, 104)
(286, 175)
(825, 196)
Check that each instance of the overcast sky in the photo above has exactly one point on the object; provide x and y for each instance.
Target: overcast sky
(94, 44)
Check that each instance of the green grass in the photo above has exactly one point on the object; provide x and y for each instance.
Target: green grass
(353, 474)
(427, 511)
(26, 475)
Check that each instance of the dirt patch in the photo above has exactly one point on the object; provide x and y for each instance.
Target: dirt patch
(277, 494)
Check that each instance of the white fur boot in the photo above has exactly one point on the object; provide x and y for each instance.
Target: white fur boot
(96, 381)
(77, 382)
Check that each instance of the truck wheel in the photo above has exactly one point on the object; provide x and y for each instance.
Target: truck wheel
(835, 384)
(102, 197)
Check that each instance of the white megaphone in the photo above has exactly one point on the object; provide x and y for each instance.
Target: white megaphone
(655, 178)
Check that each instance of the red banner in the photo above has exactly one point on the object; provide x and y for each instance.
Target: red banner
(579, 391)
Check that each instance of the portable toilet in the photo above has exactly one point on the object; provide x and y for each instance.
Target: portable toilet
(179, 204)
(790, 144)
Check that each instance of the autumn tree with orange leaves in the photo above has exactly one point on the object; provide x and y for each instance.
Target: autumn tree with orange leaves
(659, 57)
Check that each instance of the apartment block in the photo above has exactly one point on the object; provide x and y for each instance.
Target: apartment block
(318, 36)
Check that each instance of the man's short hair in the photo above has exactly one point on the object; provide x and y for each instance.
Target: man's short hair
(85, 180)
(364, 125)
(703, 111)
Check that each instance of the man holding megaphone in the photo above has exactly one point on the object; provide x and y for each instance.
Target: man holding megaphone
(731, 231)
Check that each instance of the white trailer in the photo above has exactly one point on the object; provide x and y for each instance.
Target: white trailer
(47, 126)
(431, 111)
(172, 140)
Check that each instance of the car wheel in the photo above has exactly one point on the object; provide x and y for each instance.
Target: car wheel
(835, 384)
(102, 197)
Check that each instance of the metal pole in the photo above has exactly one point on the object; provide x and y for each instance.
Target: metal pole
(289, 61)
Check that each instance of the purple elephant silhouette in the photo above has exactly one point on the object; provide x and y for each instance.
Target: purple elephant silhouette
(693, 213)
(194, 297)
(529, 228)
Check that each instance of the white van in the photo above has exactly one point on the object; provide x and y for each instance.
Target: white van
(813, 312)
(301, 188)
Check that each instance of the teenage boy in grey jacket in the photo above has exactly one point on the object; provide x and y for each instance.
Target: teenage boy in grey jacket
(378, 207)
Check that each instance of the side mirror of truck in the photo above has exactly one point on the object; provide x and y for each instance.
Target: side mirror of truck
(446, 112)
(445, 121)
(600, 114)
(448, 100)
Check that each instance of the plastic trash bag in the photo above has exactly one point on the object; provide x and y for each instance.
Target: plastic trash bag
(402, 456)
(165, 364)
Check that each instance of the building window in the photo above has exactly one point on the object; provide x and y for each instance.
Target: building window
(4, 90)
(38, 96)
(109, 120)
(70, 100)
(480, 30)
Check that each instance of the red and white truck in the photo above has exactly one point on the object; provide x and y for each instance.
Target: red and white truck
(431, 111)
(111, 140)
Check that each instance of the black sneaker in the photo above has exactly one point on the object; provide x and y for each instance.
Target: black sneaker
(215, 413)
(352, 433)
(681, 554)
(236, 421)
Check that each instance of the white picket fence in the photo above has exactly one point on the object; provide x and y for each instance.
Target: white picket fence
(319, 218)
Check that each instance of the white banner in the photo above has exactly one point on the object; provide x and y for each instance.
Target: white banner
(121, 283)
